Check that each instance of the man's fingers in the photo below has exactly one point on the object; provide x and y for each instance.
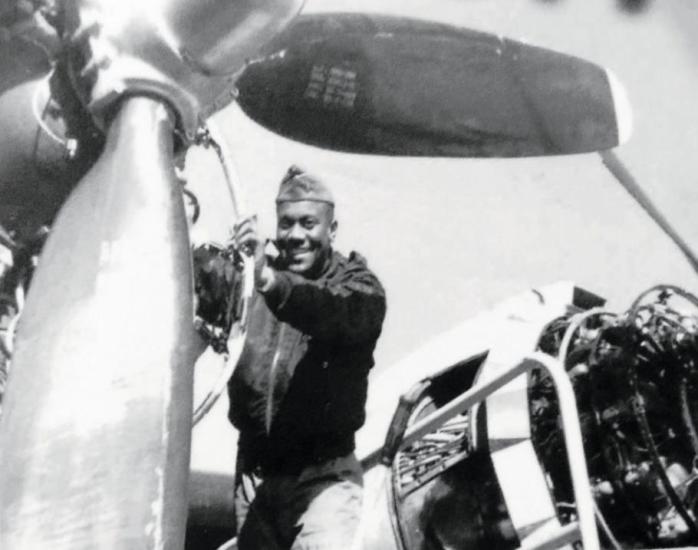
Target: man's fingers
(245, 234)
(248, 221)
(245, 230)
(248, 243)
(243, 227)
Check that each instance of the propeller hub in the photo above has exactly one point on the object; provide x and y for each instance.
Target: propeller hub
(188, 53)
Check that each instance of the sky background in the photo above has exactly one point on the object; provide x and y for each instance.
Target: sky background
(449, 238)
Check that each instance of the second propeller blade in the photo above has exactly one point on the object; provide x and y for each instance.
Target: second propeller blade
(396, 86)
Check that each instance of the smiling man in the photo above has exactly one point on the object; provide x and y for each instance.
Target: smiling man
(298, 392)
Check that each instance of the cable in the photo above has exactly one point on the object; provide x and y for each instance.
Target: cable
(230, 359)
(195, 202)
(606, 528)
(675, 289)
(686, 415)
(645, 432)
(210, 137)
(39, 116)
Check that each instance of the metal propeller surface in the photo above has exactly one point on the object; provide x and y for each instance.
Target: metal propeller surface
(96, 421)
(395, 86)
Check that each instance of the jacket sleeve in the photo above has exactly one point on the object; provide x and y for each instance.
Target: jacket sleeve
(347, 310)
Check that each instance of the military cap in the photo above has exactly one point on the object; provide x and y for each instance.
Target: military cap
(299, 185)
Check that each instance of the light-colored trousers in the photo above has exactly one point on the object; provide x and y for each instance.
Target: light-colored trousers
(318, 509)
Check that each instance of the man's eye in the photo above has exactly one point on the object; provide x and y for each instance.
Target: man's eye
(309, 224)
(284, 225)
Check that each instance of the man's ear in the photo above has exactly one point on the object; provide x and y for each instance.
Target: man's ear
(333, 230)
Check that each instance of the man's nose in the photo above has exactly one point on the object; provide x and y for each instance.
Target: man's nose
(296, 233)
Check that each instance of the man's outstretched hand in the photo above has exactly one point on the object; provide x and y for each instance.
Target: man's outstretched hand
(246, 239)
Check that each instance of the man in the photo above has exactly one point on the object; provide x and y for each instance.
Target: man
(298, 392)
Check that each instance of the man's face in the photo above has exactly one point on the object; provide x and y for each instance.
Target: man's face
(305, 231)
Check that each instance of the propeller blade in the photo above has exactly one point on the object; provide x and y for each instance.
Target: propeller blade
(96, 420)
(395, 86)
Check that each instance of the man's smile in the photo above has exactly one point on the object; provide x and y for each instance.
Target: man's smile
(299, 252)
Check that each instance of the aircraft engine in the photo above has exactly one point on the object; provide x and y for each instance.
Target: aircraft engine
(498, 475)
(635, 378)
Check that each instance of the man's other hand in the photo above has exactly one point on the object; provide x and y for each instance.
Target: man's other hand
(246, 239)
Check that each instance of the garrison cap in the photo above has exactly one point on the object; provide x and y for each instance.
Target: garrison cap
(299, 185)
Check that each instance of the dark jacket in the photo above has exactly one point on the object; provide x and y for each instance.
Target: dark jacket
(298, 392)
